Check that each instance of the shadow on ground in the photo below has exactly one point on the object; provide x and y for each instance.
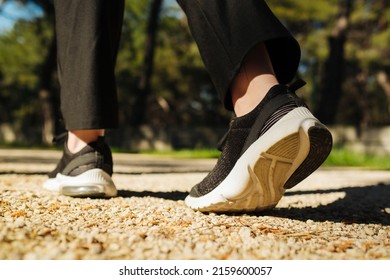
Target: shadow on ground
(362, 205)
(175, 196)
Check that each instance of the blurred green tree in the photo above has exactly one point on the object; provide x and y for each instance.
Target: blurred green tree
(345, 60)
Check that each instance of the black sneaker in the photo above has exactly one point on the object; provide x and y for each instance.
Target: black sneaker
(86, 173)
(265, 152)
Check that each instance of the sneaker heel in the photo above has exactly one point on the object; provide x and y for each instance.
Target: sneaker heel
(320, 144)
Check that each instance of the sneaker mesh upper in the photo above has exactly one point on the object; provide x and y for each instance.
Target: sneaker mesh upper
(235, 142)
(94, 155)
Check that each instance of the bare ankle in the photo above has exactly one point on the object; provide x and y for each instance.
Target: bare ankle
(78, 139)
(255, 93)
(254, 80)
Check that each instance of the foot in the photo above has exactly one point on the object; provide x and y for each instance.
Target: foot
(265, 152)
(86, 173)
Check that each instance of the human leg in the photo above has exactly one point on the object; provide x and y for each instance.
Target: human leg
(226, 32)
(251, 84)
(88, 34)
(274, 142)
(78, 139)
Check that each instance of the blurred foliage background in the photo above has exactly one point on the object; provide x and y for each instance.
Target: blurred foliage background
(161, 79)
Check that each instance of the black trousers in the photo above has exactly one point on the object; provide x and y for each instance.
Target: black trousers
(88, 34)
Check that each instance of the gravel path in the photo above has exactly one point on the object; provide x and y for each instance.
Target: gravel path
(333, 214)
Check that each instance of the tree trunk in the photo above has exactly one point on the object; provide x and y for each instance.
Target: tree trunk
(363, 101)
(382, 77)
(144, 87)
(46, 94)
(331, 85)
(383, 81)
(48, 68)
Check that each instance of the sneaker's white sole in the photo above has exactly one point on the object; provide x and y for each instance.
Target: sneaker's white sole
(286, 154)
(92, 183)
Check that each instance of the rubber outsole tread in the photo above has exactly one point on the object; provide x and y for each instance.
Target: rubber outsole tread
(320, 147)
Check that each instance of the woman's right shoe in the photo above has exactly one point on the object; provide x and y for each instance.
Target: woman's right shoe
(265, 152)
